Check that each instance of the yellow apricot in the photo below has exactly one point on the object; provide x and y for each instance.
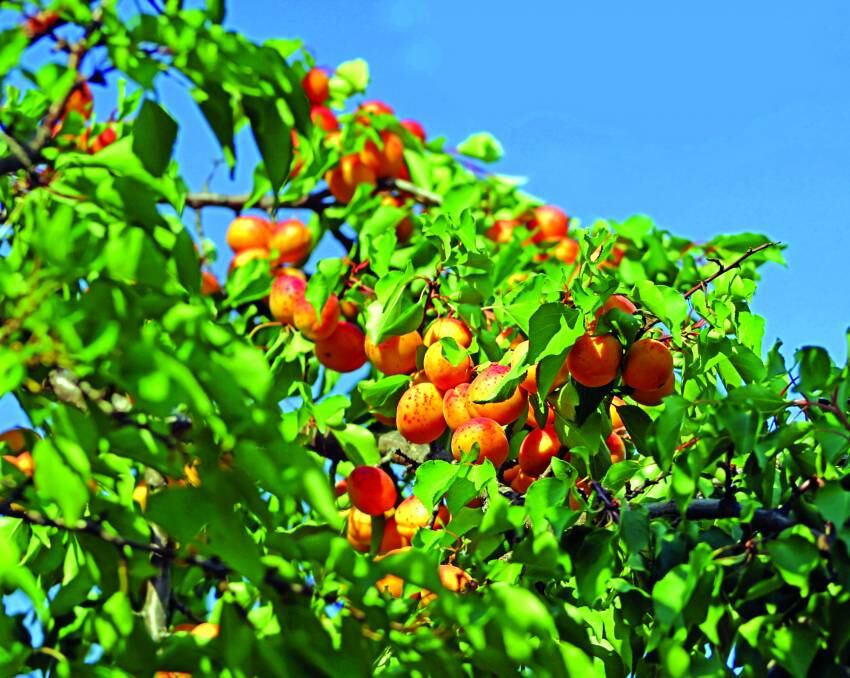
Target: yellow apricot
(311, 325)
(487, 384)
(448, 328)
(537, 450)
(456, 406)
(419, 416)
(440, 370)
(655, 396)
(594, 361)
(396, 355)
(487, 434)
(649, 365)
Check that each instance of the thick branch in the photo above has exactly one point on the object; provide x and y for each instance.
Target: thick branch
(714, 509)
(729, 267)
(314, 201)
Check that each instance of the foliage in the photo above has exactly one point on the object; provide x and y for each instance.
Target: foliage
(170, 487)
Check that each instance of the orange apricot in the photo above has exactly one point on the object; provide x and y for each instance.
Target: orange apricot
(594, 361)
(649, 365)
(655, 396)
(440, 370)
(386, 160)
(287, 291)
(22, 461)
(566, 250)
(391, 538)
(443, 517)
(349, 309)
(341, 487)
(617, 301)
(369, 108)
(415, 128)
(537, 450)
(448, 328)
(371, 490)
(106, 138)
(342, 350)
(522, 482)
(292, 241)
(529, 384)
(206, 631)
(549, 222)
(310, 324)
(79, 101)
(419, 417)
(359, 530)
(344, 179)
(324, 118)
(391, 584)
(511, 473)
(456, 406)
(485, 385)
(452, 578)
(616, 419)
(487, 434)
(316, 86)
(616, 447)
(404, 228)
(209, 284)
(502, 230)
(248, 233)
(243, 257)
(410, 516)
(18, 439)
(531, 420)
(395, 355)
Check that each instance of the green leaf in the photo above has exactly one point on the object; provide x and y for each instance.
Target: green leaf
(594, 566)
(355, 75)
(324, 281)
(795, 557)
(154, 133)
(61, 472)
(483, 146)
(359, 445)
(216, 105)
(815, 368)
(664, 302)
(433, 480)
(271, 135)
(13, 42)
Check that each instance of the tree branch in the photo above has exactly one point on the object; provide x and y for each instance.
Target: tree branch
(702, 284)
(770, 520)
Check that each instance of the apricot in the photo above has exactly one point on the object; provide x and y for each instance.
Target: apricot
(312, 326)
(371, 490)
(616, 447)
(324, 118)
(349, 309)
(359, 530)
(292, 241)
(79, 101)
(243, 257)
(566, 250)
(456, 406)
(529, 384)
(594, 361)
(443, 517)
(440, 370)
(452, 578)
(485, 385)
(18, 439)
(655, 396)
(344, 179)
(616, 419)
(531, 420)
(502, 230)
(419, 417)
(649, 365)
(341, 487)
(287, 291)
(511, 473)
(391, 538)
(549, 222)
(448, 328)
(537, 450)
(410, 516)
(22, 461)
(41, 23)
(404, 228)
(106, 138)
(415, 128)
(140, 495)
(617, 301)
(316, 86)
(419, 377)
(370, 108)
(391, 584)
(343, 349)
(209, 284)
(522, 482)
(206, 631)
(395, 355)
(487, 434)
(387, 159)
(248, 233)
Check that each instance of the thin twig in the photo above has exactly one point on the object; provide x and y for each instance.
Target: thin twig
(702, 284)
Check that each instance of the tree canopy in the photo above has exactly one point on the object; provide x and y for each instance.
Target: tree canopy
(488, 439)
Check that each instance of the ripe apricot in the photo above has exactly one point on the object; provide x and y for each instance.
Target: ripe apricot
(316, 86)
(537, 450)
(287, 291)
(312, 326)
(410, 516)
(649, 365)
(531, 420)
(487, 434)
(549, 222)
(419, 417)
(371, 490)
(415, 128)
(79, 101)
(655, 396)
(529, 384)
(594, 361)
(616, 447)
(395, 355)
(566, 250)
(452, 578)
(522, 482)
(616, 419)
(18, 439)
(341, 487)
(106, 138)
(243, 257)
(359, 530)
(343, 349)
(206, 631)
(387, 159)
(617, 301)
(391, 584)
(209, 284)
(443, 517)
(248, 233)
(448, 328)
(39, 24)
(344, 179)
(324, 118)
(456, 406)
(440, 370)
(487, 384)
(391, 538)
(404, 228)
(369, 108)
(292, 241)
(22, 461)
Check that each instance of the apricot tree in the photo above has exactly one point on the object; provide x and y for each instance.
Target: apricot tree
(561, 449)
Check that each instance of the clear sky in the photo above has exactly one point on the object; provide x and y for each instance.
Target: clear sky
(711, 118)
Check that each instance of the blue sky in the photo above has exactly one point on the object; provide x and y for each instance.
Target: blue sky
(713, 118)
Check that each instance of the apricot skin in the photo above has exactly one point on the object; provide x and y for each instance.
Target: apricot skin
(566, 250)
(324, 118)
(316, 327)
(456, 406)
(452, 578)
(243, 257)
(616, 419)
(537, 450)
(371, 490)
(404, 228)
(616, 447)
(316, 86)
(344, 179)
(419, 417)
(655, 396)
(490, 437)
(396, 355)
(502, 230)
(292, 241)
(549, 222)
(410, 516)
(287, 292)
(522, 482)
(485, 385)
(448, 328)
(342, 350)
(415, 128)
(359, 530)
(387, 159)
(617, 301)
(245, 233)
(440, 370)
(594, 361)
(649, 365)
